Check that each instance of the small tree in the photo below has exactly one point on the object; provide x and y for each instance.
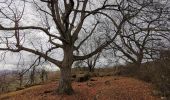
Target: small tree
(32, 75)
(20, 74)
(43, 75)
(88, 47)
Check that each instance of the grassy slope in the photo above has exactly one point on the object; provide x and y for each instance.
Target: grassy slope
(104, 88)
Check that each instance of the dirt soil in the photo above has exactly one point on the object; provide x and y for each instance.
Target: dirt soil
(99, 88)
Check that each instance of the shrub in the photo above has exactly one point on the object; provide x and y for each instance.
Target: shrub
(155, 72)
(161, 77)
(158, 73)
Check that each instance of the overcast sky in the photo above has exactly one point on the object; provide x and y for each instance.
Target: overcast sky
(32, 17)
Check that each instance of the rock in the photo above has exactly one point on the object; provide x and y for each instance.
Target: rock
(72, 79)
(73, 76)
(78, 85)
(164, 98)
(47, 91)
(93, 74)
(156, 93)
(82, 77)
(107, 82)
(93, 80)
(108, 74)
(90, 84)
(20, 88)
(101, 75)
(116, 79)
(96, 97)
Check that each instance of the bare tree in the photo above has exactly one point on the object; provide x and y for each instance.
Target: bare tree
(140, 35)
(68, 17)
(20, 74)
(43, 75)
(88, 47)
(32, 75)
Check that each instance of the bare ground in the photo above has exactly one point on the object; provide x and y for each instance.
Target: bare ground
(101, 88)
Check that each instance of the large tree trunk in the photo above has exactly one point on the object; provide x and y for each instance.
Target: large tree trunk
(65, 86)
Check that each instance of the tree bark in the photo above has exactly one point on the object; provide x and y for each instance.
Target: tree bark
(65, 86)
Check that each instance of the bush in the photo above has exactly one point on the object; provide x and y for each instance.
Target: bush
(162, 77)
(126, 70)
(158, 73)
(155, 72)
(19, 88)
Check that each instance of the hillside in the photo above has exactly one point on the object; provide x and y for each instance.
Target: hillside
(6, 72)
(100, 88)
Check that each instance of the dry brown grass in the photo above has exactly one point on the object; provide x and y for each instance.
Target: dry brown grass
(104, 88)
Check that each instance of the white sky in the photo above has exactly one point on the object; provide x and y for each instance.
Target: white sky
(31, 18)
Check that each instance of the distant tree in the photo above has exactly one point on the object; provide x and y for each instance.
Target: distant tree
(20, 74)
(4, 83)
(43, 75)
(32, 75)
(87, 47)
